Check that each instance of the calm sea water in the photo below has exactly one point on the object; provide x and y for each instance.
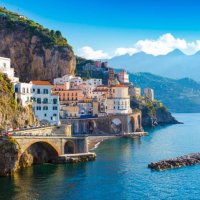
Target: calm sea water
(120, 171)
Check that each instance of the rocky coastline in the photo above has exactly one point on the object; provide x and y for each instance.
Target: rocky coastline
(182, 161)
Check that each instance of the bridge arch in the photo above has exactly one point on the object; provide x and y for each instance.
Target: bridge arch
(69, 147)
(38, 152)
(52, 145)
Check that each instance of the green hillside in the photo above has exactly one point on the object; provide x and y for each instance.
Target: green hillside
(181, 95)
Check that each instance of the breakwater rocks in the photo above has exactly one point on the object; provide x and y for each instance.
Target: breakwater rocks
(181, 161)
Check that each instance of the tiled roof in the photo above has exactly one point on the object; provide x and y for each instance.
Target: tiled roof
(119, 85)
(40, 82)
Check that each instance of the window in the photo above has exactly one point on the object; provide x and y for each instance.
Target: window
(55, 108)
(33, 89)
(55, 101)
(45, 114)
(45, 107)
(38, 91)
(54, 115)
(4, 65)
(38, 108)
(45, 100)
(39, 100)
(45, 91)
(16, 89)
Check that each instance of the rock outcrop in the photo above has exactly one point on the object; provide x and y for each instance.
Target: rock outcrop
(9, 157)
(182, 161)
(153, 113)
(161, 116)
(36, 53)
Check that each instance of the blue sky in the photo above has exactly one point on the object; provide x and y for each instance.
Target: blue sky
(105, 28)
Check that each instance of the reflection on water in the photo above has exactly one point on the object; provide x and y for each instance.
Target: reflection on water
(120, 171)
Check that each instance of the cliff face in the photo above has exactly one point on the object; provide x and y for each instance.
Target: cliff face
(36, 53)
(160, 117)
(12, 114)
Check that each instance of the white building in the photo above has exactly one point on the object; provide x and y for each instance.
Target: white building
(5, 68)
(23, 92)
(119, 100)
(123, 77)
(64, 79)
(38, 94)
(93, 82)
(149, 93)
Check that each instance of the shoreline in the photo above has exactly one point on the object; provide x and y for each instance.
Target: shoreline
(95, 141)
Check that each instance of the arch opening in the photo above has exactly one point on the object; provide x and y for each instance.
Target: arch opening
(132, 125)
(38, 153)
(91, 125)
(69, 148)
(116, 125)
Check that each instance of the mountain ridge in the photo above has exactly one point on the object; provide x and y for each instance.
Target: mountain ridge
(174, 65)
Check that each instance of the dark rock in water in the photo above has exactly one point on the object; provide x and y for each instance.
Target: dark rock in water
(181, 161)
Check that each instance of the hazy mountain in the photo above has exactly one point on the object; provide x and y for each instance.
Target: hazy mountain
(181, 95)
(173, 65)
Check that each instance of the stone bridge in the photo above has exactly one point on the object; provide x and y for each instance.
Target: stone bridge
(59, 144)
(52, 139)
(109, 124)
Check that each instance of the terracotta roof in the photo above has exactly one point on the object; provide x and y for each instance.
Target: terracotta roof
(119, 85)
(40, 82)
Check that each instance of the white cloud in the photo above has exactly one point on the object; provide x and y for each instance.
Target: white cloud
(165, 44)
(89, 53)
(161, 46)
(121, 51)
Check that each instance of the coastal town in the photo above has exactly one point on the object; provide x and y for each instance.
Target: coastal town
(84, 103)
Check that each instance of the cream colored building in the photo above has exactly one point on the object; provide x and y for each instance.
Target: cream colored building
(119, 100)
(136, 92)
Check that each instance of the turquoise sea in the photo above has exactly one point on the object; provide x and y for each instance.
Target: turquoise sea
(120, 171)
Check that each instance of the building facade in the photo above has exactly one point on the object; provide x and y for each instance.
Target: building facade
(149, 93)
(123, 77)
(5, 68)
(119, 100)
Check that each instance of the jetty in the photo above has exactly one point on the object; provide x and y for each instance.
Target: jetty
(75, 158)
(135, 134)
(186, 160)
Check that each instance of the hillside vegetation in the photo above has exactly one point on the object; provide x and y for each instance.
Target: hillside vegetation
(36, 53)
(12, 114)
(50, 37)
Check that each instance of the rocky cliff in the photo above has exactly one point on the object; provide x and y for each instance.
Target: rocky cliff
(12, 114)
(9, 157)
(154, 113)
(36, 52)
